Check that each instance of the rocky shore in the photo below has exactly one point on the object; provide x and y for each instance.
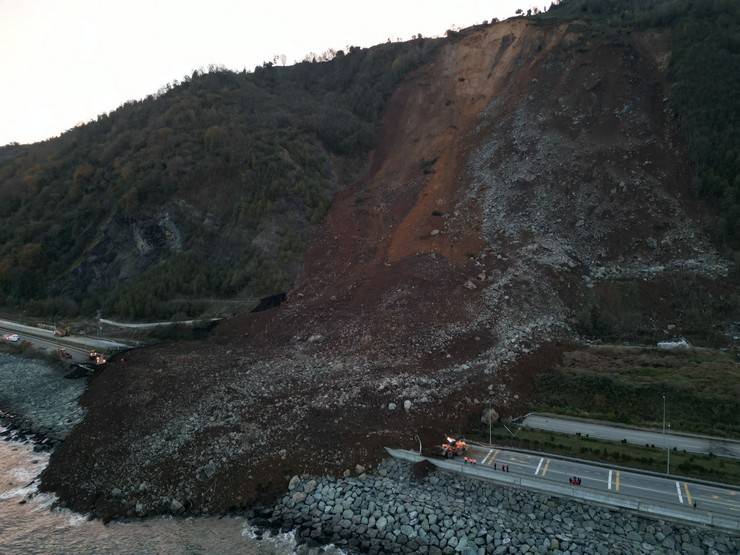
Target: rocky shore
(404, 508)
(36, 399)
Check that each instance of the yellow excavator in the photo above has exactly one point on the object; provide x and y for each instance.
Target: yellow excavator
(454, 447)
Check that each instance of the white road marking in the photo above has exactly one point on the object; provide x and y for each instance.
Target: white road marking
(539, 466)
(610, 479)
(486, 457)
(678, 490)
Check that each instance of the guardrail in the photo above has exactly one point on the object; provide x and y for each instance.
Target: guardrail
(584, 494)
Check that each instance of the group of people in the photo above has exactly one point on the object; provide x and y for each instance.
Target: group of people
(575, 481)
(504, 467)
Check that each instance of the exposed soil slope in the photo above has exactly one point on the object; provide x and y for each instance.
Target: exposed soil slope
(521, 174)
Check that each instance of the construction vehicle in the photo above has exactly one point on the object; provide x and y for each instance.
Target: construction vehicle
(454, 447)
(98, 358)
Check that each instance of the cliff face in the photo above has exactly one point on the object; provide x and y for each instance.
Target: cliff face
(529, 186)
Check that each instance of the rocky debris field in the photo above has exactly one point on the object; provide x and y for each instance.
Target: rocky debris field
(527, 182)
(392, 511)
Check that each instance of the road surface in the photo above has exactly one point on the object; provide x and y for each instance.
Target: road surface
(77, 346)
(670, 491)
(688, 443)
(149, 325)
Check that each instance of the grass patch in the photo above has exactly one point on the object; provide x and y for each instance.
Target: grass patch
(627, 384)
(703, 467)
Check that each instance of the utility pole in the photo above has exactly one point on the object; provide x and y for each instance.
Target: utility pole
(668, 447)
(490, 423)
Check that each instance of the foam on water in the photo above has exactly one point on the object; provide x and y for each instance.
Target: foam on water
(30, 525)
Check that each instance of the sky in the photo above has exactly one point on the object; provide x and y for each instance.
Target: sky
(63, 62)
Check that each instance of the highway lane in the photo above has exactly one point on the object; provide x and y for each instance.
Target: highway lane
(84, 341)
(48, 342)
(657, 489)
(690, 444)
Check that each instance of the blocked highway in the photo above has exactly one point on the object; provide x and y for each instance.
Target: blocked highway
(664, 490)
(667, 496)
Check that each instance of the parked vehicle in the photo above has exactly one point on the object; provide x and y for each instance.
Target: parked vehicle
(12, 337)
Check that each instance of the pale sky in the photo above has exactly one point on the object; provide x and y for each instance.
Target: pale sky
(63, 62)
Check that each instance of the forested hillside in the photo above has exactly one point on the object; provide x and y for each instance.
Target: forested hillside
(209, 188)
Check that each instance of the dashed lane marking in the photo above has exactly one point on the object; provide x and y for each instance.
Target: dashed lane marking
(617, 481)
(486, 457)
(493, 457)
(539, 466)
(547, 466)
(688, 493)
(678, 490)
(610, 480)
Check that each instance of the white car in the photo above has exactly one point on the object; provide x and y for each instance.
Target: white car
(12, 337)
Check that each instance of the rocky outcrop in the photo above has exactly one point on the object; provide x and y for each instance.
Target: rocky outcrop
(391, 512)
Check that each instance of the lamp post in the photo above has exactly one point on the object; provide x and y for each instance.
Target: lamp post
(668, 447)
(490, 423)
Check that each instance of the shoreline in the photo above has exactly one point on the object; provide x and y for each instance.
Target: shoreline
(15, 431)
(412, 508)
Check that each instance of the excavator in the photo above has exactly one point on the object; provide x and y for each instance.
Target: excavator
(454, 447)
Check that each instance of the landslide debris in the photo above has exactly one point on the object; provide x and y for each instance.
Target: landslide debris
(430, 289)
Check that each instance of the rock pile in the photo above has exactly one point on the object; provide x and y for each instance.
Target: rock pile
(391, 512)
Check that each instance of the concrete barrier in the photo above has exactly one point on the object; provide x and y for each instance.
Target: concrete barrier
(580, 493)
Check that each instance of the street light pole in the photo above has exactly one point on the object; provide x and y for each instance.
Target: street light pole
(490, 423)
(668, 447)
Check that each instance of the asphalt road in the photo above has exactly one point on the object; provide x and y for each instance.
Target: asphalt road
(688, 443)
(77, 346)
(647, 487)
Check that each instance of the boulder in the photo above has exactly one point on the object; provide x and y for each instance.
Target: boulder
(489, 417)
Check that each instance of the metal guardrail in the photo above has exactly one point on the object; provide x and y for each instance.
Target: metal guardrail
(581, 493)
